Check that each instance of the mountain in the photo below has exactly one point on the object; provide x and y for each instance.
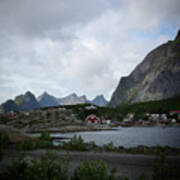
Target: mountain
(9, 105)
(72, 99)
(99, 101)
(156, 78)
(46, 100)
(27, 102)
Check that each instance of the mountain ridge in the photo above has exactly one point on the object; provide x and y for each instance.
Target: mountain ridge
(28, 101)
(156, 77)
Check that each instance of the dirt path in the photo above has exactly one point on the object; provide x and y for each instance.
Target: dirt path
(125, 164)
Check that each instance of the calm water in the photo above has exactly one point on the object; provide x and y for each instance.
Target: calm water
(133, 136)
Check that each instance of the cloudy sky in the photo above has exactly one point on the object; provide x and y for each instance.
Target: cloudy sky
(82, 46)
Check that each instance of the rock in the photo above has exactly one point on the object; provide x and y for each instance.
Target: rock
(46, 100)
(27, 102)
(99, 101)
(8, 106)
(72, 99)
(156, 78)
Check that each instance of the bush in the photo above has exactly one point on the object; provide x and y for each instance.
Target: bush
(28, 145)
(49, 167)
(87, 170)
(45, 136)
(4, 141)
(164, 170)
(76, 143)
(44, 141)
(109, 147)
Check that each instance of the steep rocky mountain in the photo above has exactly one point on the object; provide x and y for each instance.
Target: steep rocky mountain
(27, 102)
(72, 99)
(99, 101)
(46, 100)
(156, 78)
(9, 105)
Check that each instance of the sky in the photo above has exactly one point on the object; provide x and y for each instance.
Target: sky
(81, 46)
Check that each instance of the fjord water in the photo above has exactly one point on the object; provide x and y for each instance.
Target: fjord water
(131, 136)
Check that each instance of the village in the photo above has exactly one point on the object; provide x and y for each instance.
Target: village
(83, 118)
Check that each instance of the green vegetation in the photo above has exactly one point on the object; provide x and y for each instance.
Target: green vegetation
(109, 147)
(96, 170)
(3, 119)
(76, 143)
(119, 112)
(4, 139)
(45, 136)
(4, 142)
(44, 141)
(162, 106)
(164, 170)
(48, 167)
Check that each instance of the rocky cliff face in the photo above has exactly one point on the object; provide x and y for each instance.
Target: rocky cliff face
(27, 102)
(156, 78)
(46, 100)
(72, 99)
(9, 106)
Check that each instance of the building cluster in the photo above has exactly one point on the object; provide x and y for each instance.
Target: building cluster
(62, 115)
(49, 115)
(173, 117)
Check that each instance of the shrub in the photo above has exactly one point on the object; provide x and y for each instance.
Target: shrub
(87, 170)
(49, 167)
(76, 143)
(45, 136)
(31, 145)
(44, 141)
(28, 145)
(4, 139)
(163, 170)
(109, 147)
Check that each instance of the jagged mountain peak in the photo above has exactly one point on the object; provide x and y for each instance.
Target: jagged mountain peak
(73, 95)
(100, 100)
(100, 96)
(9, 105)
(45, 93)
(28, 93)
(27, 101)
(47, 100)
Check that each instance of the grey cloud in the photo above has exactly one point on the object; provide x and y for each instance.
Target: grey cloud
(84, 46)
(41, 18)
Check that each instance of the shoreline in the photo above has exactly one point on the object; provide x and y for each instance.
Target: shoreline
(70, 128)
(78, 128)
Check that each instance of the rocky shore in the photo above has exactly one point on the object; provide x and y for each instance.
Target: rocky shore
(68, 128)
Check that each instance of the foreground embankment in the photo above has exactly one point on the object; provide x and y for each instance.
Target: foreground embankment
(128, 165)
